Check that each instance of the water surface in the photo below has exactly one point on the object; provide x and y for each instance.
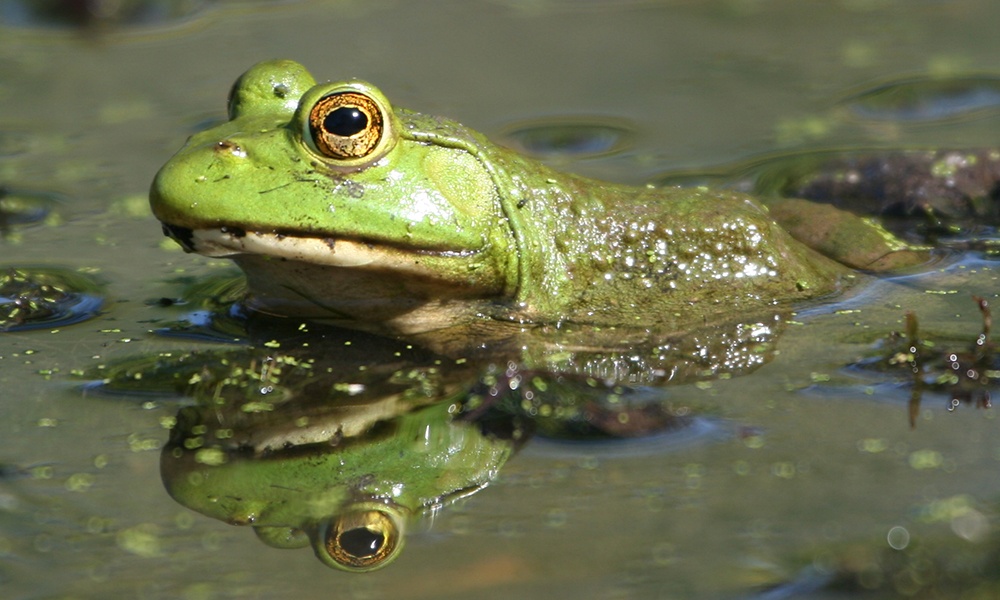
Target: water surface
(818, 463)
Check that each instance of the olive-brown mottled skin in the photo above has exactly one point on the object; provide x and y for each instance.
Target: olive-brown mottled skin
(437, 226)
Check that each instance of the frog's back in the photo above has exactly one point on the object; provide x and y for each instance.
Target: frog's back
(623, 255)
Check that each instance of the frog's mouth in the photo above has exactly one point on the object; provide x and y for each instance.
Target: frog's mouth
(228, 241)
(389, 289)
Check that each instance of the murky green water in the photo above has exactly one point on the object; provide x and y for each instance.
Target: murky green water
(812, 465)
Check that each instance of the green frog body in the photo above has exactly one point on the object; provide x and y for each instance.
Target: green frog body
(339, 206)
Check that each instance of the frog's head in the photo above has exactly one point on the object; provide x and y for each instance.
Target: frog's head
(337, 205)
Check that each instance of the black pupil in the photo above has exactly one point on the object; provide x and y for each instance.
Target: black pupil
(345, 121)
(361, 541)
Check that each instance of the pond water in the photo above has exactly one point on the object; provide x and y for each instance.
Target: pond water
(804, 469)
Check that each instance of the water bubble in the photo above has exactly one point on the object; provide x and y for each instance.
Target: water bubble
(898, 538)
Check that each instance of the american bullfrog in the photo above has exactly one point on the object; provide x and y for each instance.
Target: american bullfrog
(339, 206)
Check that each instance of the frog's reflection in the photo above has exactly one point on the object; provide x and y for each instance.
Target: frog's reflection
(345, 476)
(342, 440)
(339, 439)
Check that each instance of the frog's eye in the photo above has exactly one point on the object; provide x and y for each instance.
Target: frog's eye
(361, 540)
(346, 125)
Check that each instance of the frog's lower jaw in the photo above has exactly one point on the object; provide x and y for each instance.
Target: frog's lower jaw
(227, 242)
(355, 284)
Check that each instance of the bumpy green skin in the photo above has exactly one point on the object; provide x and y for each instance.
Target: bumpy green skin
(466, 229)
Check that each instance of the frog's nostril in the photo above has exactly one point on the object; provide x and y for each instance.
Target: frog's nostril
(229, 147)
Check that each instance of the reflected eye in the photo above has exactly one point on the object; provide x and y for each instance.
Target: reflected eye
(363, 540)
(346, 125)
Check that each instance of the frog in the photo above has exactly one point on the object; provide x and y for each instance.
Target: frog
(339, 206)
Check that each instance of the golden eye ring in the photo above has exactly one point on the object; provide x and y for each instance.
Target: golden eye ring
(361, 540)
(346, 125)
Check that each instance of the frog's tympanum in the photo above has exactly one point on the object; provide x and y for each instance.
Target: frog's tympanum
(340, 206)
